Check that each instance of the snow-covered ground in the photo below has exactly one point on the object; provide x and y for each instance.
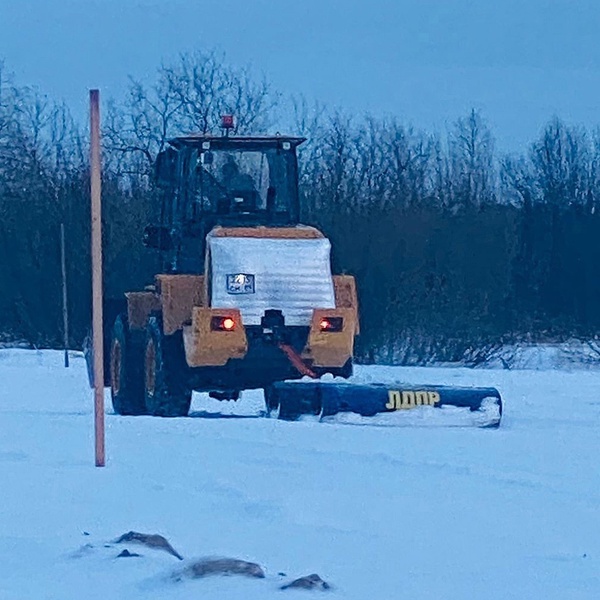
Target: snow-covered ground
(383, 513)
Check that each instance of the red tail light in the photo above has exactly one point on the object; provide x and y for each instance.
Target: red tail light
(331, 324)
(222, 324)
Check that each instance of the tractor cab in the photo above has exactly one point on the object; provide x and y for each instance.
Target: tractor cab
(207, 181)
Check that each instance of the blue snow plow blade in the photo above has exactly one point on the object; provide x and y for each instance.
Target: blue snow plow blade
(388, 404)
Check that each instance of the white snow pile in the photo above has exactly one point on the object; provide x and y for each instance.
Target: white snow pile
(379, 512)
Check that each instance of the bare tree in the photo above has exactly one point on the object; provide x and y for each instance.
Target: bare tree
(560, 159)
(472, 164)
(137, 130)
(517, 178)
(593, 195)
(189, 95)
(207, 87)
(406, 163)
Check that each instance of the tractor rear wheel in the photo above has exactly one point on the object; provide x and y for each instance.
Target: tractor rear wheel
(126, 369)
(166, 389)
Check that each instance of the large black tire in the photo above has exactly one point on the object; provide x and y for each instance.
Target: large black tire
(166, 382)
(126, 369)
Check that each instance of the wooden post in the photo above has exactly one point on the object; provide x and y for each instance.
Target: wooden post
(63, 265)
(97, 329)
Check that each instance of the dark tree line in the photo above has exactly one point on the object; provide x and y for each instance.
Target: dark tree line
(456, 247)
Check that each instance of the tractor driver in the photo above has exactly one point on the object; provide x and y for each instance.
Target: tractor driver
(241, 185)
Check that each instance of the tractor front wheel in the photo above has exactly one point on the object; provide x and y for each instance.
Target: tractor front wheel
(166, 389)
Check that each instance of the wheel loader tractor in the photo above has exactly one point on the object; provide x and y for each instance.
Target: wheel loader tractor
(245, 297)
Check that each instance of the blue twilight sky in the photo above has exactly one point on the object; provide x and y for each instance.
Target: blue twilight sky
(426, 61)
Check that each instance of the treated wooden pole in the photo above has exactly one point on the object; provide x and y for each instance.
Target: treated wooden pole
(63, 266)
(97, 330)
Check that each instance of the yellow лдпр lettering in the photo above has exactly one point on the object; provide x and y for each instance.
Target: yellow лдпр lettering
(434, 398)
(400, 400)
(393, 400)
(408, 400)
(421, 398)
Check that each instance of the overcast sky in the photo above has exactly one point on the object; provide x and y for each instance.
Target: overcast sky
(426, 61)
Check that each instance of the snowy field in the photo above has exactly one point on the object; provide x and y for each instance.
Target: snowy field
(381, 513)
